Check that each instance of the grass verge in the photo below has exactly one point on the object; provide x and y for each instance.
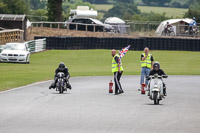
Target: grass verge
(92, 63)
(170, 12)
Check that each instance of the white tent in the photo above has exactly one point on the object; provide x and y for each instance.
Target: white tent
(117, 23)
(114, 20)
(173, 22)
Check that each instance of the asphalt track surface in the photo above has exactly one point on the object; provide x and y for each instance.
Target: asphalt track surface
(89, 108)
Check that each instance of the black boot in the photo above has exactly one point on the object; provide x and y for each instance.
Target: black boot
(52, 86)
(164, 92)
(69, 86)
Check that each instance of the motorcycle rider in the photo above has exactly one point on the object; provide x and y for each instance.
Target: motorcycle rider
(156, 70)
(64, 69)
(192, 24)
(167, 26)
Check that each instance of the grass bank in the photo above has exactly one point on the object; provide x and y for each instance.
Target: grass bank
(92, 63)
(170, 12)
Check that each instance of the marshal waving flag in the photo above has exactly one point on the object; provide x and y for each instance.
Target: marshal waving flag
(123, 51)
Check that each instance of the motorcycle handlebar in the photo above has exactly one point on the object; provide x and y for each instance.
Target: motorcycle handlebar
(163, 76)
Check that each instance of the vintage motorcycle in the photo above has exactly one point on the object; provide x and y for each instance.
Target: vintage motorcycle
(61, 84)
(192, 31)
(155, 87)
(168, 32)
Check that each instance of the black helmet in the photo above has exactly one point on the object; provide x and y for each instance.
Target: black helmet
(156, 64)
(61, 66)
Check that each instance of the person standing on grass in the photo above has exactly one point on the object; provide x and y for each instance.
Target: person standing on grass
(146, 65)
(117, 69)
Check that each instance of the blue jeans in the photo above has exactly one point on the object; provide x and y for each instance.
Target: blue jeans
(144, 73)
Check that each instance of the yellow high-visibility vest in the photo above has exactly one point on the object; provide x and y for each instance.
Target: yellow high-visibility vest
(115, 65)
(147, 61)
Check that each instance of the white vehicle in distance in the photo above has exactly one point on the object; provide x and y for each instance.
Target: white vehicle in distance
(15, 52)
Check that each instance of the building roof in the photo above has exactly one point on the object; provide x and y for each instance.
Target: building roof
(12, 17)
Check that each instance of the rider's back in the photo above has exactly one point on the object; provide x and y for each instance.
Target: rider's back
(65, 71)
(159, 72)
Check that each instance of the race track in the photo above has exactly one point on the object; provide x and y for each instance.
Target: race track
(89, 108)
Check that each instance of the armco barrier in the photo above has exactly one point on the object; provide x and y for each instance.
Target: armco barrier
(177, 44)
(37, 45)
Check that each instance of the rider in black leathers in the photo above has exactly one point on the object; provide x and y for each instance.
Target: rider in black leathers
(160, 72)
(64, 69)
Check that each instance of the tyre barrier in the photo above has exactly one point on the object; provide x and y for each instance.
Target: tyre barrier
(153, 43)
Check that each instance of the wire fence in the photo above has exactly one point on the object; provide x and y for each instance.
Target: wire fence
(125, 29)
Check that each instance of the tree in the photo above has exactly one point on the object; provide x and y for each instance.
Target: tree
(14, 6)
(194, 11)
(122, 10)
(54, 8)
(125, 1)
(156, 2)
(150, 17)
(3, 8)
(38, 15)
(37, 4)
(96, 1)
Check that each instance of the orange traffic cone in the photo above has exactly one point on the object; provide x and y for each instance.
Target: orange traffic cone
(110, 86)
(142, 88)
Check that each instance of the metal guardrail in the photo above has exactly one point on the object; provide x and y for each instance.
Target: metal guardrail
(14, 35)
(37, 45)
(34, 45)
(1, 48)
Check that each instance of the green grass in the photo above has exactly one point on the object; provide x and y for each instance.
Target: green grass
(102, 7)
(92, 63)
(170, 12)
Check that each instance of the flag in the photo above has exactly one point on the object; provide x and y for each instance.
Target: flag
(123, 51)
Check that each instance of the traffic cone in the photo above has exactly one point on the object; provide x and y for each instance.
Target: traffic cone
(110, 86)
(142, 88)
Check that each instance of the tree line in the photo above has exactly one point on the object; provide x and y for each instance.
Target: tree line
(58, 10)
(160, 3)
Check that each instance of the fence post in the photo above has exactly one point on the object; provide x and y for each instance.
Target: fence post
(76, 26)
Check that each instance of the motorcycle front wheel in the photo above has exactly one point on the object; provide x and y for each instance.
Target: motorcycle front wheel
(60, 87)
(155, 98)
